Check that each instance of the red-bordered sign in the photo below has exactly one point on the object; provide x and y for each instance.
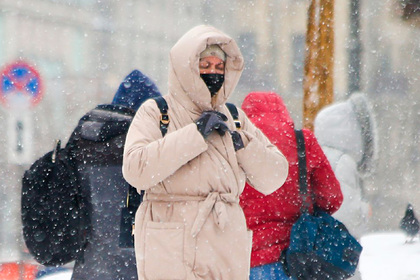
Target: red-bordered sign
(20, 85)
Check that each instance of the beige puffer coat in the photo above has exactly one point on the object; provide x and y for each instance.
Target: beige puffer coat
(190, 225)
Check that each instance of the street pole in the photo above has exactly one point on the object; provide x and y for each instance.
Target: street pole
(318, 86)
(355, 49)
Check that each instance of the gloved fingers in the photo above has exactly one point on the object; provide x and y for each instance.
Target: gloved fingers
(214, 113)
(222, 128)
(221, 115)
(210, 121)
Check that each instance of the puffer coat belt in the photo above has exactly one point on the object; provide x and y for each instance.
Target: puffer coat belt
(214, 202)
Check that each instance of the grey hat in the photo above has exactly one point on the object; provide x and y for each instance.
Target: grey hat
(213, 50)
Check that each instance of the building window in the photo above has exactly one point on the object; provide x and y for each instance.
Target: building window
(387, 80)
(74, 2)
(298, 60)
(247, 45)
(78, 46)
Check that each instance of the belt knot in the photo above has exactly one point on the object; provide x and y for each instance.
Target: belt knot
(215, 202)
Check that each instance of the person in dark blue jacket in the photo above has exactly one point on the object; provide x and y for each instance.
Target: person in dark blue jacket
(97, 147)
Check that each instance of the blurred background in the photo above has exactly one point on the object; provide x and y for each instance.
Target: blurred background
(81, 50)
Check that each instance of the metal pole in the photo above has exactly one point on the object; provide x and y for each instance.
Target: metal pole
(355, 49)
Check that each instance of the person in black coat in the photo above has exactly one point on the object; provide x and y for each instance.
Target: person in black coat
(97, 145)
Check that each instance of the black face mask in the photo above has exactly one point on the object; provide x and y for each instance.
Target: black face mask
(213, 81)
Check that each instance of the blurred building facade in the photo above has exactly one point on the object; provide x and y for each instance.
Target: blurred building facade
(84, 48)
(387, 42)
(391, 65)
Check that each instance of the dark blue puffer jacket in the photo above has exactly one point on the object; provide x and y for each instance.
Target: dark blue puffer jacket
(97, 146)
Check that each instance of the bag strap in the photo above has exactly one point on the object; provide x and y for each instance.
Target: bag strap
(164, 117)
(303, 181)
(235, 115)
(132, 193)
(57, 148)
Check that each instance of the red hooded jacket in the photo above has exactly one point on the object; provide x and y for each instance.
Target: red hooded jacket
(271, 217)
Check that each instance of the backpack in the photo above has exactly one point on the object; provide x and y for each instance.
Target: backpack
(55, 210)
(133, 197)
(52, 210)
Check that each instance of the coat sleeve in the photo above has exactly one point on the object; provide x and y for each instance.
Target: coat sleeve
(326, 187)
(354, 211)
(266, 168)
(148, 158)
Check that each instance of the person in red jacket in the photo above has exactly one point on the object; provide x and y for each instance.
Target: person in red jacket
(271, 217)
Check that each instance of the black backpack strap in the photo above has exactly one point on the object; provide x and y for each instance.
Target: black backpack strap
(164, 118)
(133, 198)
(303, 183)
(235, 115)
(57, 148)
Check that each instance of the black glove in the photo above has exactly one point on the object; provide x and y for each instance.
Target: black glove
(237, 140)
(210, 121)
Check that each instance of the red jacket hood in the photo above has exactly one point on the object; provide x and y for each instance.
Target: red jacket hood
(257, 103)
(269, 113)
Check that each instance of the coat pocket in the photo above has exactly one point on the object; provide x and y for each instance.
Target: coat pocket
(164, 251)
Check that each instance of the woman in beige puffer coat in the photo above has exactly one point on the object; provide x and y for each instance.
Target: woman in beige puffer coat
(190, 224)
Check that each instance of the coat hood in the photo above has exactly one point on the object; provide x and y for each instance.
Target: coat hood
(185, 83)
(350, 127)
(134, 90)
(256, 104)
(269, 113)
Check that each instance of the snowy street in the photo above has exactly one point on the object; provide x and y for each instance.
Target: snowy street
(385, 256)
